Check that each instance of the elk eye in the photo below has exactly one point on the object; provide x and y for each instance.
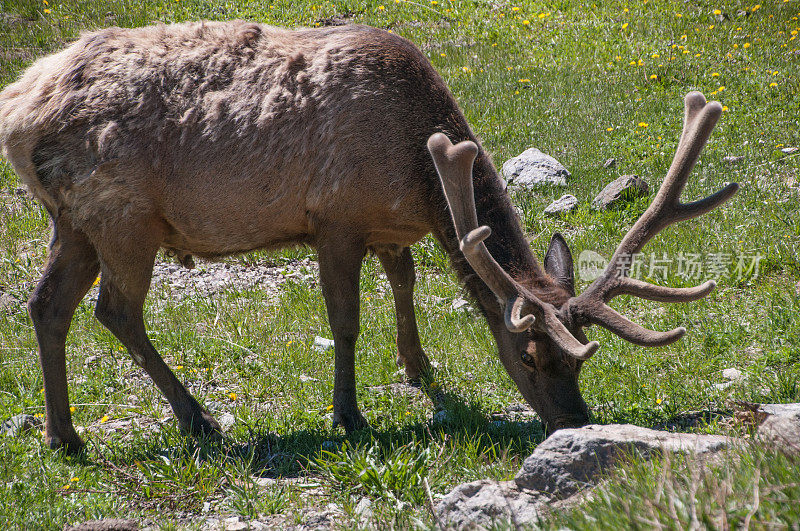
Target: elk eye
(527, 359)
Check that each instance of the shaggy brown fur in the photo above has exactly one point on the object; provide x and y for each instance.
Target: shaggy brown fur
(214, 138)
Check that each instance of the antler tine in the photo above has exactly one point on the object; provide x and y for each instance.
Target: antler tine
(454, 165)
(699, 120)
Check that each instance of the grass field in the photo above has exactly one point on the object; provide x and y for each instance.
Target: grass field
(583, 84)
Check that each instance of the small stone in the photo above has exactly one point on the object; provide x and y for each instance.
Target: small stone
(625, 188)
(91, 360)
(460, 303)
(533, 168)
(19, 424)
(610, 163)
(226, 421)
(567, 203)
(733, 374)
(106, 524)
(488, 504)
(733, 159)
(322, 344)
(788, 150)
(363, 509)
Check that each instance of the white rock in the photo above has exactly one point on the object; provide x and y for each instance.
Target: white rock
(733, 374)
(533, 168)
(322, 344)
(363, 509)
(566, 203)
(226, 421)
(486, 504)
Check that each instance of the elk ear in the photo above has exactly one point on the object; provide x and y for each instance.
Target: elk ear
(558, 263)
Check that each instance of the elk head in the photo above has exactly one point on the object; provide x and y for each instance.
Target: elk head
(544, 346)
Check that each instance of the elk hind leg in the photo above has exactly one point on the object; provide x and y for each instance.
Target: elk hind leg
(124, 283)
(399, 266)
(71, 268)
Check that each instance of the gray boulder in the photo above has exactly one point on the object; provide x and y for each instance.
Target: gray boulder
(533, 168)
(781, 426)
(20, 424)
(572, 459)
(558, 470)
(566, 203)
(485, 503)
(625, 188)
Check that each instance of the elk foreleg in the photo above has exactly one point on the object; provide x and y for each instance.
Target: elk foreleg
(340, 267)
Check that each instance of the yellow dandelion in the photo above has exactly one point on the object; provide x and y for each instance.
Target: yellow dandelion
(735, 46)
(544, 15)
(714, 74)
(746, 45)
(524, 80)
(381, 8)
(47, 12)
(678, 15)
(329, 408)
(466, 69)
(655, 56)
(773, 84)
(658, 400)
(609, 129)
(443, 54)
(643, 124)
(75, 479)
(624, 26)
(72, 409)
(526, 22)
(711, 26)
(625, 10)
(632, 63)
(516, 92)
(232, 396)
(653, 76)
(178, 367)
(725, 108)
(756, 8)
(66, 487)
(515, 9)
(717, 12)
(721, 88)
(640, 63)
(104, 419)
(618, 58)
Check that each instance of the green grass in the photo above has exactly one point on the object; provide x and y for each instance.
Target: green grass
(562, 82)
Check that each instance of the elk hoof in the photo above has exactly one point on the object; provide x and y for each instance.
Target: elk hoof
(70, 445)
(203, 425)
(350, 420)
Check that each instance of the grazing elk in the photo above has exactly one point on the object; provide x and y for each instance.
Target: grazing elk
(215, 138)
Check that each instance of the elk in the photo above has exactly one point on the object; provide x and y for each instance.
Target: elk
(215, 138)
